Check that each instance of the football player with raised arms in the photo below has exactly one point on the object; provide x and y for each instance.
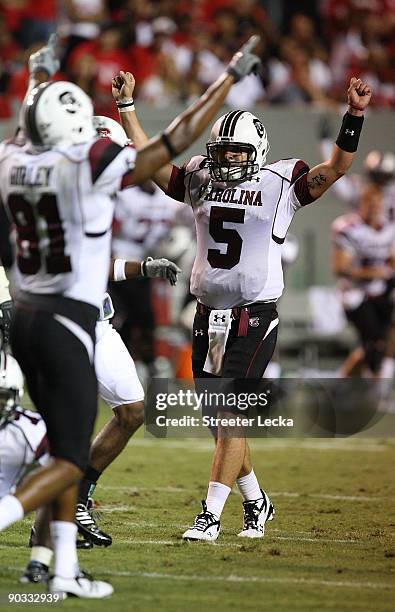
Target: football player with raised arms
(118, 382)
(119, 385)
(58, 190)
(243, 208)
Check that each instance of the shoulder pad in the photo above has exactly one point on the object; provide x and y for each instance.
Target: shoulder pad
(196, 163)
(283, 167)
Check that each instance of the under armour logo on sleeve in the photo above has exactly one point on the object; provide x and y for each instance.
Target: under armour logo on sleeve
(351, 132)
(199, 332)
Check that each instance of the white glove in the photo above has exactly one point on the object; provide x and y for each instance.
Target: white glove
(45, 60)
(160, 268)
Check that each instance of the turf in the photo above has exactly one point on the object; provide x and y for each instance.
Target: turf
(329, 547)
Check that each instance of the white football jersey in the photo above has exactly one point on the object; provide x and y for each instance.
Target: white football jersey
(240, 229)
(22, 442)
(142, 220)
(368, 247)
(61, 202)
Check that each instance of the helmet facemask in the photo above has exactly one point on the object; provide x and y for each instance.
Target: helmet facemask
(8, 404)
(226, 171)
(11, 388)
(242, 133)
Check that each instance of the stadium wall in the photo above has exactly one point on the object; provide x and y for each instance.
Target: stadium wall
(293, 133)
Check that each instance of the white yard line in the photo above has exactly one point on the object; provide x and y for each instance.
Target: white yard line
(147, 524)
(249, 579)
(267, 444)
(239, 579)
(110, 509)
(236, 545)
(361, 498)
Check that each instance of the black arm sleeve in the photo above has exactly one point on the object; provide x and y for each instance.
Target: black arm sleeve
(6, 256)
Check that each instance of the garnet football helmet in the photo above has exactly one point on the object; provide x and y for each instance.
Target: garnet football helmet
(240, 132)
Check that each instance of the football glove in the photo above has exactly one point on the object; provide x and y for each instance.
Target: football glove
(160, 268)
(5, 322)
(45, 60)
(244, 62)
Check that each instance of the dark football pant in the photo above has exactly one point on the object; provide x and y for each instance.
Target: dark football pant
(372, 319)
(53, 339)
(246, 357)
(135, 320)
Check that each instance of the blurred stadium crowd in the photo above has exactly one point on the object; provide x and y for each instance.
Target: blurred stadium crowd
(177, 47)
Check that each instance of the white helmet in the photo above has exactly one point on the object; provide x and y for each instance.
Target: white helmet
(11, 387)
(59, 112)
(380, 167)
(108, 128)
(239, 131)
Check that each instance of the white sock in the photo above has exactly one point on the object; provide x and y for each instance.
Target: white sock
(64, 535)
(11, 511)
(249, 487)
(41, 554)
(217, 495)
(387, 368)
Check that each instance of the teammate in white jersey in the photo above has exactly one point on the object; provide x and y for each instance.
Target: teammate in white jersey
(23, 438)
(58, 189)
(120, 388)
(23, 444)
(119, 385)
(243, 209)
(364, 261)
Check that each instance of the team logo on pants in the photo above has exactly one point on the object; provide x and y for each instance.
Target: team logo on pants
(253, 322)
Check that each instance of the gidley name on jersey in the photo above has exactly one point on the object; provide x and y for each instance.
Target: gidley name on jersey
(31, 176)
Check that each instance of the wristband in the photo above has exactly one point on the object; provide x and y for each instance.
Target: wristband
(125, 105)
(119, 270)
(350, 132)
(143, 267)
(166, 141)
(233, 73)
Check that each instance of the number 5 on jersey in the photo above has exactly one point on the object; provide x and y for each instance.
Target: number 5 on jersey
(230, 237)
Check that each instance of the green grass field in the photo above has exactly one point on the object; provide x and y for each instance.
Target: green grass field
(329, 547)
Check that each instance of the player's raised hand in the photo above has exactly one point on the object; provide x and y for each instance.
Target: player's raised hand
(45, 59)
(359, 94)
(245, 62)
(122, 86)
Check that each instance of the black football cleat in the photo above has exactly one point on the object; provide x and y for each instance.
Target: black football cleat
(35, 573)
(88, 528)
(84, 544)
(205, 527)
(256, 513)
